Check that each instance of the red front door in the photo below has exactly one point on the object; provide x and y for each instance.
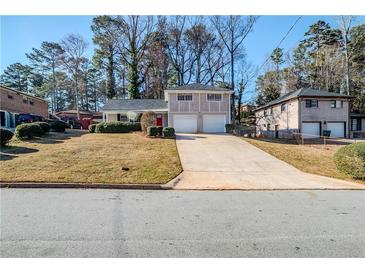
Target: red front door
(159, 120)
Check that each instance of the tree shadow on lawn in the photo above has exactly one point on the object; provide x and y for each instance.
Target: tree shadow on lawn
(11, 152)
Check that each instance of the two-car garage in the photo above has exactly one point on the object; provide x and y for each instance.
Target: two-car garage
(313, 129)
(210, 123)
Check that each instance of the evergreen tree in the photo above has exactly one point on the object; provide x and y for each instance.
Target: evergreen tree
(46, 61)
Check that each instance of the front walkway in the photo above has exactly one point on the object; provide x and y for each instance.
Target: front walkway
(222, 161)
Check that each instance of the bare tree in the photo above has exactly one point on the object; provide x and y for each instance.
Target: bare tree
(247, 73)
(181, 58)
(135, 34)
(233, 30)
(345, 27)
(74, 59)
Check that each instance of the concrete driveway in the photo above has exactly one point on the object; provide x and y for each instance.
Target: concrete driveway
(222, 161)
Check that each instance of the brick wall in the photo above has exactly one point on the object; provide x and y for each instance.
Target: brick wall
(18, 102)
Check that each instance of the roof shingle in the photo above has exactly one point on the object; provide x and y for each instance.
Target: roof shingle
(199, 87)
(135, 104)
(304, 92)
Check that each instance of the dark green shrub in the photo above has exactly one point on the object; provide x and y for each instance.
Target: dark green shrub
(152, 131)
(5, 136)
(58, 126)
(168, 132)
(159, 131)
(45, 126)
(134, 126)
(28, 131)
(351, 160)
(148, 119)
(116, 127)
(92, 128)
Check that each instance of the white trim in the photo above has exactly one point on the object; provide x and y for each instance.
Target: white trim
(198, 91)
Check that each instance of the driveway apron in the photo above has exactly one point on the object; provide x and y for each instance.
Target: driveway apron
(223, 161)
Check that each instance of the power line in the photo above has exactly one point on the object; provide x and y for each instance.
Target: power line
(281, 41)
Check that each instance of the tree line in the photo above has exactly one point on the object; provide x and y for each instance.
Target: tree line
(134, 57)
(331, 59)
(140, 56)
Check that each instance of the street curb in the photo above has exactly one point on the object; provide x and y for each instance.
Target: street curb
(84, 185)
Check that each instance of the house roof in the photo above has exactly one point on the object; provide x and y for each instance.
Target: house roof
(198, 87)
(357, 115)
(135, 104)
(23, 93)
(304, 92)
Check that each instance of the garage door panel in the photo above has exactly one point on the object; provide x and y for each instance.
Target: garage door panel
(214, 123)
(185, 123)
(337, 129)
(311, 130)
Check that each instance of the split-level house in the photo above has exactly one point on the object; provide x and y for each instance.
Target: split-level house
(191, 108)
(305, 111)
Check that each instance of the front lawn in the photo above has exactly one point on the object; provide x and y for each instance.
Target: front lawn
(75, 157)
(310, 158)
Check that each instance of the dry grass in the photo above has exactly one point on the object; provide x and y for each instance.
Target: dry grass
(91, 158)
(310, 158)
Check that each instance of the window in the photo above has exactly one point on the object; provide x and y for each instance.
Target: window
(185, 97)
(311, 103)
(214, 97)
(31, 102)
(268, 126)
(266, 112)
(10, 96)
(283, 107)
(336, 104)
(356, 124)
(272, 111)
(25, 101)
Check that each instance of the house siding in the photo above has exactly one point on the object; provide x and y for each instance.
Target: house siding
(324, 113)
(291, 120)
(284, 121)
(32, 105)
(198, 106)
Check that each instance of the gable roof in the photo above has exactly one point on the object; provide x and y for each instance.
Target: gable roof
(22, 93)
(198, 87)
(304, 92)
(135, 104)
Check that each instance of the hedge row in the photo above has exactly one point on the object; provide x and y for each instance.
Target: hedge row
(351, 160)
(160, 131)
(115, 127)
(37, 129)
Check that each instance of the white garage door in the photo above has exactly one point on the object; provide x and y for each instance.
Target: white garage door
(214, 123)
(185, 123)
(337, 129)
(310, 130)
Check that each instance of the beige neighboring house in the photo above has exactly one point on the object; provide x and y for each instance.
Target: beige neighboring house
(189, 109)
(305, 111)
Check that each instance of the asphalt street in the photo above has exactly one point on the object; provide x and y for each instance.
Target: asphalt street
(135, 223)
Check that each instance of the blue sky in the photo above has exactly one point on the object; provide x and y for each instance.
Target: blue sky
(19, 34)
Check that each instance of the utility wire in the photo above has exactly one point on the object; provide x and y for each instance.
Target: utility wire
(281, 41)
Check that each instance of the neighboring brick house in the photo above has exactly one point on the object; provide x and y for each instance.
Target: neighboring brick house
(190, 108)
(305, 111)
(14, 102)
